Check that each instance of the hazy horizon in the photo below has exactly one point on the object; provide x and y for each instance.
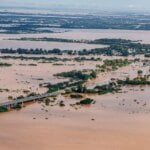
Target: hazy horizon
(109, 5)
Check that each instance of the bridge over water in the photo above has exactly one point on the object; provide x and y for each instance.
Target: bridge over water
(13, 103)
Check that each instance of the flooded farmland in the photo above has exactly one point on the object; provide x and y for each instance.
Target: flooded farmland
(88, 34)
(118, 118)
(74, 75)
(77, 34)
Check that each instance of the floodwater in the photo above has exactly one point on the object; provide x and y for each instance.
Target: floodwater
(47, 45)
(117, 121)
(28, 74)
(107, 125)
(90, 34)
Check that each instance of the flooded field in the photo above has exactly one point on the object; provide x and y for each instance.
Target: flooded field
(108, 121)
(47, 45)
(78, 34)
(89, 34)
(116, 121)
(28, 74)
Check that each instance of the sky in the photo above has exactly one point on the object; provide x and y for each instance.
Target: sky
(142, 5)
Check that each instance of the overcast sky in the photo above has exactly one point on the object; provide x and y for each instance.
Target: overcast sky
(89, 4)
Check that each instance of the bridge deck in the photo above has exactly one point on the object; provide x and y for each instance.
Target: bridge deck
(26, 99)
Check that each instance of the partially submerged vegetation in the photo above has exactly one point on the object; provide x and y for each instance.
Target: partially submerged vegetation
(60, 86)
(49, 40)
(114, 64)
(136, 81)
(76, 96)
(56, 60)
(81, 77)
(3, 109)
(76, 86)
(147, 55)
(78, 75)
(115, 47)
(42, 59)
(78, 79)
(5, 64)
(86, 101)
(100, 89)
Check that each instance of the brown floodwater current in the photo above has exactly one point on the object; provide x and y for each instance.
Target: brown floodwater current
(117, 121)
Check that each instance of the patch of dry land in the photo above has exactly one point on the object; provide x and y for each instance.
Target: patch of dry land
(116, 118)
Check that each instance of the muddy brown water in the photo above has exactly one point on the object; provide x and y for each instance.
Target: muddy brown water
(117, 121)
